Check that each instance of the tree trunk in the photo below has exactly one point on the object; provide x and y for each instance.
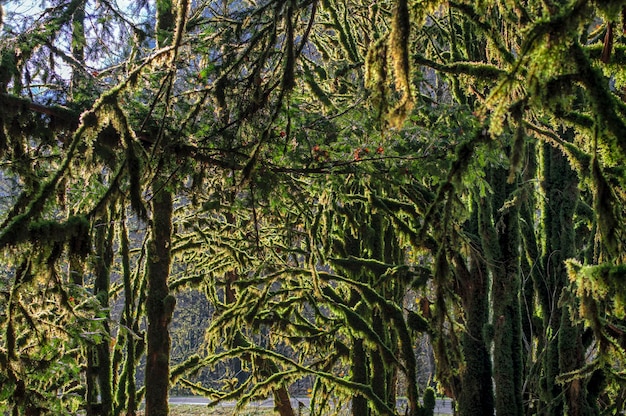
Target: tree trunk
(99, 383)
(476, 395)
(501, 241)
(159, 304)
(126, 389)
(359, 365)
(531, 328)
(104, 244)
(565, 352)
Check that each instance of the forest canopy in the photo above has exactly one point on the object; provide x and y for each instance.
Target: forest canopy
(359, 201)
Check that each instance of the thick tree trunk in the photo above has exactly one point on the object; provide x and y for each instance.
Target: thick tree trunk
(282, 402)
(565, 352)
(507, 349)
(501, 241)
(359, 365)
(476, 395)
(159, 304)
(551, 282)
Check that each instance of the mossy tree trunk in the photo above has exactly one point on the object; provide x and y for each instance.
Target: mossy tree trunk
(159, 303)
(564, 349)
(383, 379)
(385, 247)
(126, 398)
(499, 229)
(99, 375)
(551, 281)
(99, 382)
(476, 394)
(359, 369)
(529, 266)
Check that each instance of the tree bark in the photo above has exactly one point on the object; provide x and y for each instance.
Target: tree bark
(565, 352)
(159, 304)
(476, 395)
(101, 352)
(358, 361)
(501, 241)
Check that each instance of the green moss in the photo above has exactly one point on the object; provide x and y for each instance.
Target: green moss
(8, 68)
(166, 21)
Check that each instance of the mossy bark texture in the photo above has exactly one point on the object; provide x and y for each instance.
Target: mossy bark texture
(100, 354)
(476, 395)
(160, 305)
(564, 350)
(499, 229)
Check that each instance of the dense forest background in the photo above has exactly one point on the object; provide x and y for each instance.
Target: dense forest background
(243, 199)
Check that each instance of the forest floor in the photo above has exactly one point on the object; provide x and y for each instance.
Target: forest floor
(194, 410)
(187, 406)
(191, 410)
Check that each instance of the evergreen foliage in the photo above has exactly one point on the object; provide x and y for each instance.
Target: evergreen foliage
(335, 182)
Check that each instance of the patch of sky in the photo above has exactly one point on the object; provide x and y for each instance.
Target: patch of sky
(114, 29)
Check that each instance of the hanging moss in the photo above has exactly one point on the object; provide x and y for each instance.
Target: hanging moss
(288, 81)
(399, 55)
(519, 140)
(604, 209)
(166, 20)
(599, 282)
(133, 164)
(315, 88)
(376, 75)
(8, 68)
(603, 102)
(74, 232)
